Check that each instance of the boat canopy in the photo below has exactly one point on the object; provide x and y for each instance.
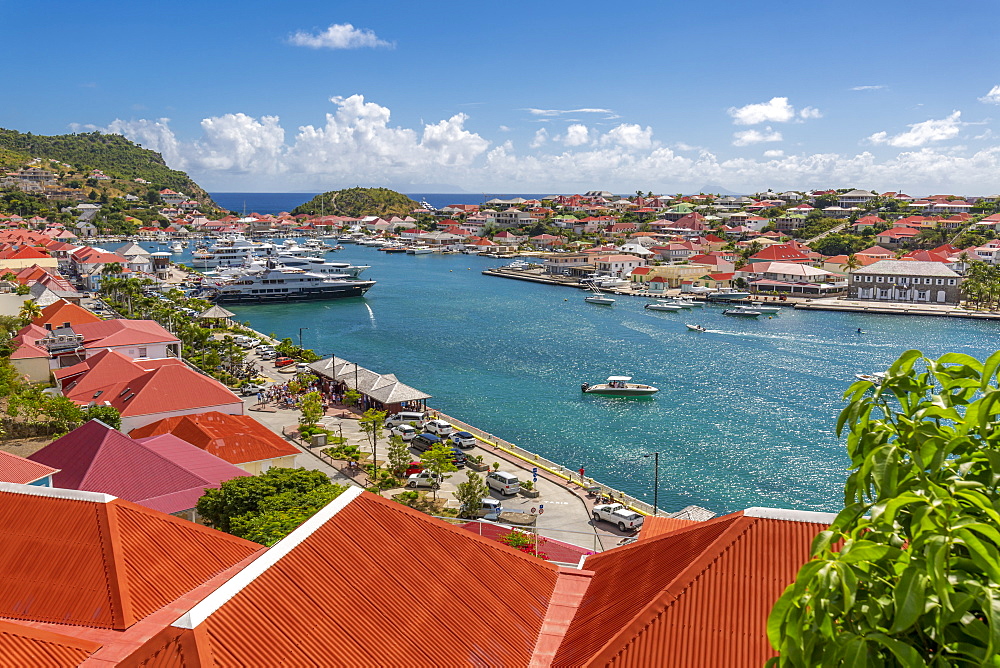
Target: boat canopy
(623, 379)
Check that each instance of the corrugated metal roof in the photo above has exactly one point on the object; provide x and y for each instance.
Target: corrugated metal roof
(20, 470)
(163, 473)
(372, 582)
(237, 439)
(657, 526)
(84, 559)
(696, 597)
(23, 646)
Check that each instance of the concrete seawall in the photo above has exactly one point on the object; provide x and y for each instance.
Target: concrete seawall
(883, 308)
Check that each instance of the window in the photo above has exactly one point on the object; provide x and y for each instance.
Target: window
(879, 279)
(939, 281)
(142, 353)
(951, 281)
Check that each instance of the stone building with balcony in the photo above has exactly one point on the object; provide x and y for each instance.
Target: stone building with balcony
(906, 281)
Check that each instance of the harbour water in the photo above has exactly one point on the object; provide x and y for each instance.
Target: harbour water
(745, 414)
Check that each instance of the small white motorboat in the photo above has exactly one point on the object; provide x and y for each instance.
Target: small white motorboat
(660, 306)
(766, 309)
(696, 328)
(873, 378)
(619, 386)
(742, 312)
(599, 298)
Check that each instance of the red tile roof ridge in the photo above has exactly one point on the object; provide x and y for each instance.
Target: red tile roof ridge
(204, 609)
(571, 586)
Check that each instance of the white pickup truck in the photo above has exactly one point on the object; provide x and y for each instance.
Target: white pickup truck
(618, 514)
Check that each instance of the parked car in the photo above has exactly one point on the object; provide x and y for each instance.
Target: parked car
(489, 509)
(424, 479)
(405, 417)
(283, 361)
(463, 439)
(458, 457)
(302, 366)
(618, 514)
(503, 482)
(439, 427)
(424, 442)
(267, 354)
(414, 467)
(404, 431)
(251, 389)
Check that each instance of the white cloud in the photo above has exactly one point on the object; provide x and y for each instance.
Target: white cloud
(923, 133)
(339, 36)
(748, 137)
(878, 87)
(560, 112)
(541, 136)
(992, 97)
(777, 110)
(810, 112)
(357, 144)
(576, 135)
(629, 136)
(503, 128)
(774, 153)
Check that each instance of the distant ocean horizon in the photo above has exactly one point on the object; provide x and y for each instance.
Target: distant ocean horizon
(277, 202)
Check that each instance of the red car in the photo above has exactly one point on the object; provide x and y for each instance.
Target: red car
(414, 467)
(283, 361)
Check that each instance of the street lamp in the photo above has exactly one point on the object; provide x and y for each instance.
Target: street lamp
(300, 336)
(656, 479)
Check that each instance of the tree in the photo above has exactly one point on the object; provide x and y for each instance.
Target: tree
(29, 311)
(438, 460)
(61, 412)
(372, 423)
(312, 409)
(281, 514)
(398, 456)
(246, 495)
(470, 494)
(351, 397)
(109, 415)
(908, 574)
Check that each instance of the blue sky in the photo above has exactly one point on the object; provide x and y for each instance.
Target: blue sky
(524, 96)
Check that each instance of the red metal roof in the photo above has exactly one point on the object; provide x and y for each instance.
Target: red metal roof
(163, 473)
(690, 598)
(24, 646)
(368, 581)
(20, 470)
(60, 312)
(237, 439)
(657, 526)
(82, 559)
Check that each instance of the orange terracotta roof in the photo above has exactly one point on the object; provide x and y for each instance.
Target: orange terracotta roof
(60, 312)
(699, 595)
(98, 561)
(238, 439)
(306, 600)
(20, 470)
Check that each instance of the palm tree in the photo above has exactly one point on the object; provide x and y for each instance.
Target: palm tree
(29, 311)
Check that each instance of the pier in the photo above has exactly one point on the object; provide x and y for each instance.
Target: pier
(896, 308)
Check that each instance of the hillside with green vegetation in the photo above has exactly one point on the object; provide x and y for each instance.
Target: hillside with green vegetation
(113, 154)
(357, 202)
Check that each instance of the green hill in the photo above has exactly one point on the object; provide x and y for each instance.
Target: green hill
(358, 202)
(113, 154)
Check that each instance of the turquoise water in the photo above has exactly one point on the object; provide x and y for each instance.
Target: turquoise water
(745, 413)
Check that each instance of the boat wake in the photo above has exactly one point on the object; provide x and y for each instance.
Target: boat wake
(371, 315)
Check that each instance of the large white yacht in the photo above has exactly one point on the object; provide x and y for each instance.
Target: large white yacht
(280, 284)
(230, 251)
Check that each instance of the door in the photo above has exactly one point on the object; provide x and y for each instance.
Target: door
(941, 296)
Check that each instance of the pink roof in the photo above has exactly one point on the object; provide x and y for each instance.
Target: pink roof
(163, 472)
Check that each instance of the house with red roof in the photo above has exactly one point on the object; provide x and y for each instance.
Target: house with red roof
(61, 314)
(617, 265)
(163, 473)
(24, 471)
(896, 237)
(877, 252)
(867, 223)
(548, 241)
(88, 576)
(145, 390)
(235, 438)
(790, 252)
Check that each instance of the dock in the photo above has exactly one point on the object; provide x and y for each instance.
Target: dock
(896, 308)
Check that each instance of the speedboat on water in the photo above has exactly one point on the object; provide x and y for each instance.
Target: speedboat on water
(766, 309)
(696, 328)
(598, 298)
(663, 306)
(619, 386)
(874, 378)
(742, 312)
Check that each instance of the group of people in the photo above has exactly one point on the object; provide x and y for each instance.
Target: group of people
(282, 394)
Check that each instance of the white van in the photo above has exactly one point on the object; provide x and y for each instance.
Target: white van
(503, 482)
(439, 427)
(405, 417)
